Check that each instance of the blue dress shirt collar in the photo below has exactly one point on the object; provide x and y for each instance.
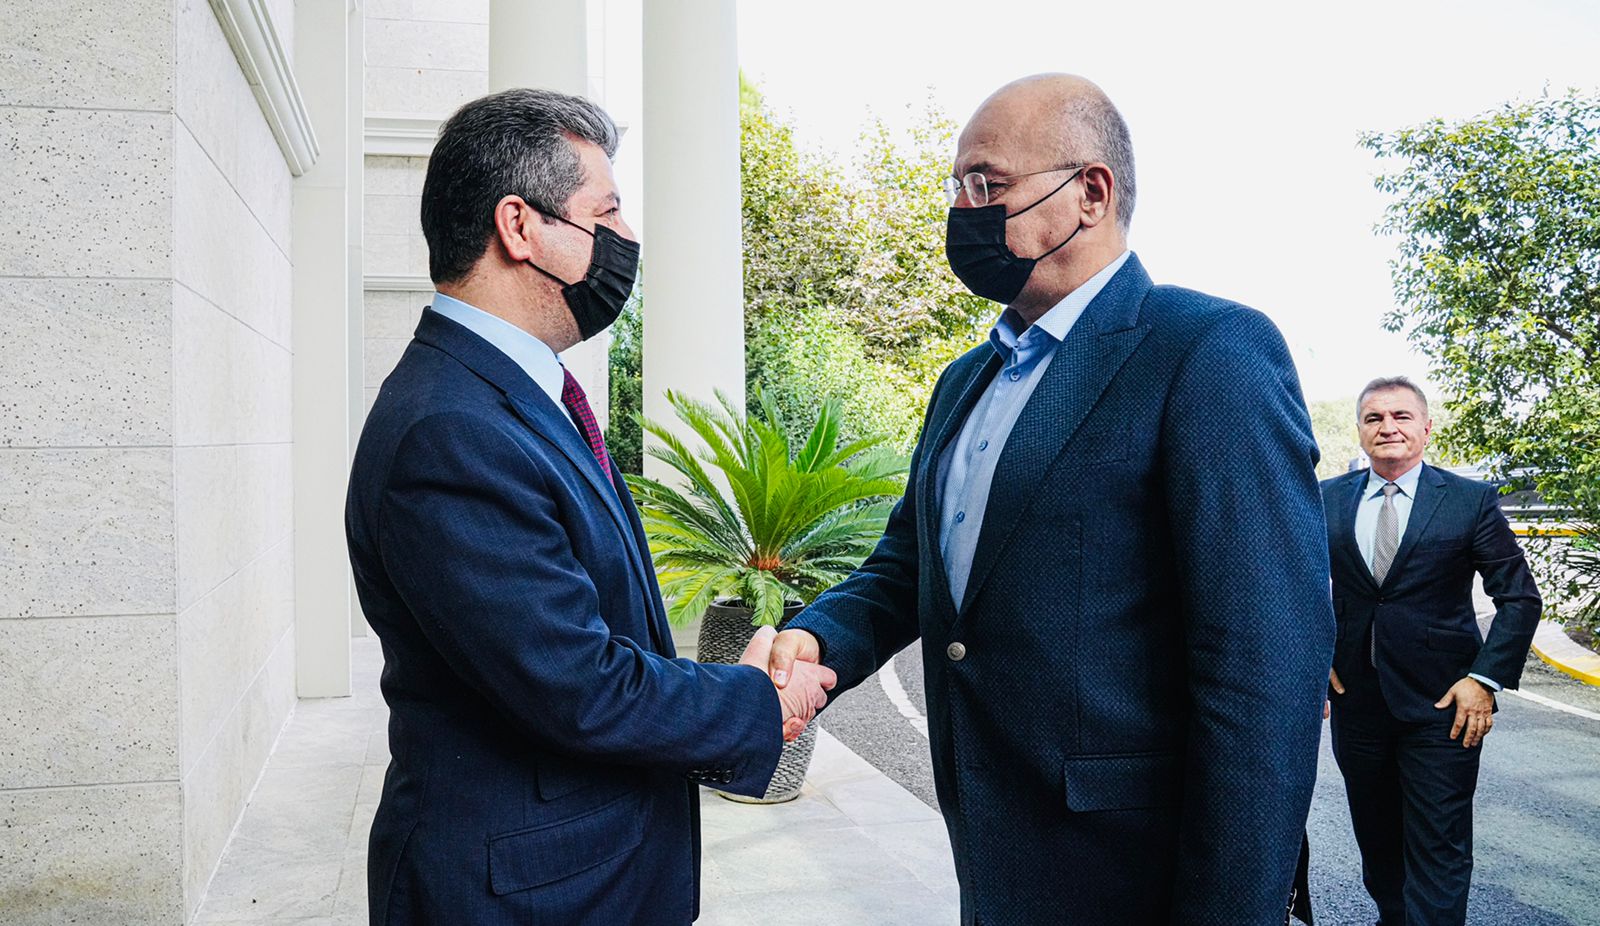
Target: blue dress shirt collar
(528, 352)
(1009, 331)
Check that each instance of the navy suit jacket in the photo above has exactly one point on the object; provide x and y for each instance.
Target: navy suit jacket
(1130, 733)
(1426, 626)
(544, 740)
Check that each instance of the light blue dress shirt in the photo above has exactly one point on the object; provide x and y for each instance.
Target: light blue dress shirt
(1367, 521)
(969, 462)
(1372, 503)
(528, 352)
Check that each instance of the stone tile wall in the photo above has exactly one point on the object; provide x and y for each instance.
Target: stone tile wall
(146, 650)
(424, 58)
(232, 455)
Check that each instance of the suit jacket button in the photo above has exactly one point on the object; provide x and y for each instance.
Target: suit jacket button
(956, 652)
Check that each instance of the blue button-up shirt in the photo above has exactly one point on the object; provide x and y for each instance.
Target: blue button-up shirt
(968, 464)
(528, 352)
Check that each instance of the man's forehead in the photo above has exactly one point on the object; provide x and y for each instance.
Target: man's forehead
(988, 148)
(599, 181)
(1390, 399)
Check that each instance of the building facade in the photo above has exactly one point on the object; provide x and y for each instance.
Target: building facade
(210, 260)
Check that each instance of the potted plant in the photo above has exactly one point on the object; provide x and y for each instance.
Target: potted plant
(756, 529)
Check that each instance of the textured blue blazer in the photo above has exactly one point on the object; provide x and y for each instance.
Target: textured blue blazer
(1423, 617)
(545, 743)
(1128, 731)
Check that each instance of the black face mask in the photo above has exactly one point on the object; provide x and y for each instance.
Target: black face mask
(975, 245)
(598, 298)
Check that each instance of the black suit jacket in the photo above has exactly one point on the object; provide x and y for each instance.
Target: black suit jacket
(1426, 629)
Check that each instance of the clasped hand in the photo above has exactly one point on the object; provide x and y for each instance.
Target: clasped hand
(802, 691)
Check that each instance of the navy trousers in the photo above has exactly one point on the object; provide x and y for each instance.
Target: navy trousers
(1410, 791)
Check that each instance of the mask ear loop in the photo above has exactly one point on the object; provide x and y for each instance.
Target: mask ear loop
(1047, 196)
(1062, 244)
(579, 228)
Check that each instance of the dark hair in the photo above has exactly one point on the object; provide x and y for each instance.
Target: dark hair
(1385, 383)
(515, 142)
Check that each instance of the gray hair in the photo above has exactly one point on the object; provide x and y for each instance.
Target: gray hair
(1384, 384)
(1096, 131)
(515, 142)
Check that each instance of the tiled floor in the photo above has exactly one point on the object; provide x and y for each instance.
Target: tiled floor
(870, 852)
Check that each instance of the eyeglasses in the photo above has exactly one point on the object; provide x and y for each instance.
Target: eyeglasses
(977, 186)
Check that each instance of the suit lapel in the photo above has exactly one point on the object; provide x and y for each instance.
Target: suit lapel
(660, 628)
(1084, 364)
(1345, 534)
(931, 479)
(1430, 493)
(551, 425)
(539, 414)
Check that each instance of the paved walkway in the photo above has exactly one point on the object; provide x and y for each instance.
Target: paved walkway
(871, 852)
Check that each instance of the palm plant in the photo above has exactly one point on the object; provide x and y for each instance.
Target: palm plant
(757, 521)
(1583, 561)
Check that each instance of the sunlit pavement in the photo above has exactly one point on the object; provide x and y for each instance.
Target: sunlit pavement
(1537, 822)
(855, 848)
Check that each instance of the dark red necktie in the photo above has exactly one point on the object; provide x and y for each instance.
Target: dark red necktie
(583, 416)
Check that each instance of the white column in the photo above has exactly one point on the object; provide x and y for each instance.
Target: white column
(322, 297)
(355, 230)
(694, 265)
(545, 44)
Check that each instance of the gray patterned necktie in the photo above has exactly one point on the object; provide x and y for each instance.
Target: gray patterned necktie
(1388, 539)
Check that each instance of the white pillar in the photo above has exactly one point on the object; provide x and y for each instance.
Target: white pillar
(545, 44)
(355, 101)
(322, 297)
(694, 265)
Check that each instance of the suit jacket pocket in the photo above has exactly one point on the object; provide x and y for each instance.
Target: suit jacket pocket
(557, 777)
(544, 854)
(1123, 782)
(1453, 641)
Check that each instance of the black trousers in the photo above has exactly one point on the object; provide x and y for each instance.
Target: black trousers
(1410, 790)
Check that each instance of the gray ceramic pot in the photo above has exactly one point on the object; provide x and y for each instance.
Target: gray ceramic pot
(724, 633)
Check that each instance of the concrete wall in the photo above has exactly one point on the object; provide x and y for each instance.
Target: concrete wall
(424, 59)
(146, 662)
(232, 438)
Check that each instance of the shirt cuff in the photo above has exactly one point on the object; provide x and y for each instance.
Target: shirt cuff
(1493, 685)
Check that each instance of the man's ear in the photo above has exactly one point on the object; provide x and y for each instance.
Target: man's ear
(515, 223)
(1098, 188)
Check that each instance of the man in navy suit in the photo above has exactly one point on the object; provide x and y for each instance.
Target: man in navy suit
(1111, 548)
(546, 744)
(1413, 683)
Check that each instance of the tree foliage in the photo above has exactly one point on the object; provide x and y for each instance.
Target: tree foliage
(624, 435)
(1334, 424)
(1498, 282)
(847, 293)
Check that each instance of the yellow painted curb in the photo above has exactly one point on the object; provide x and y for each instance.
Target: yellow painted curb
(1553, 646)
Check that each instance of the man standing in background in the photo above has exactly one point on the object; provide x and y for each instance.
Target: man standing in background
(1413, 683)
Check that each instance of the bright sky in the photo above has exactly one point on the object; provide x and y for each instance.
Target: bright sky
(1244, 117)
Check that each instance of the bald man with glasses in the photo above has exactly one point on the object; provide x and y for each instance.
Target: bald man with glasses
(1112, 550)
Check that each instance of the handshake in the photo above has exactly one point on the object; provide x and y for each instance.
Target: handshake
(791, 660)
